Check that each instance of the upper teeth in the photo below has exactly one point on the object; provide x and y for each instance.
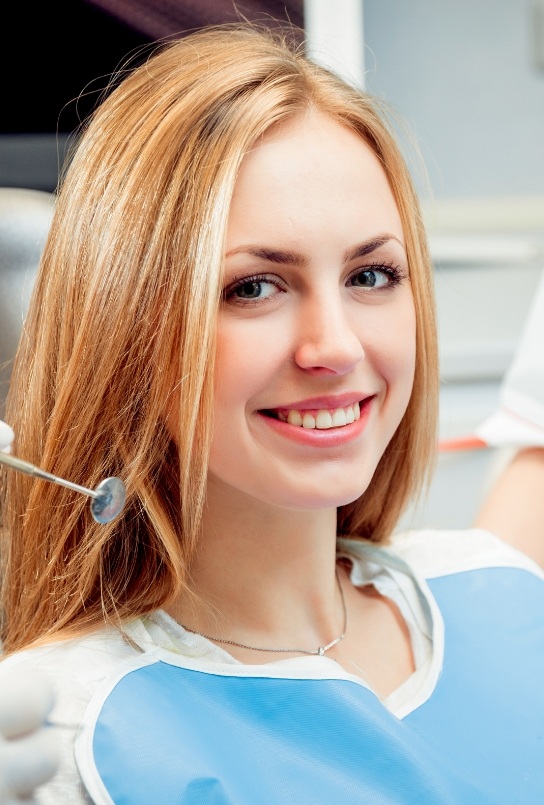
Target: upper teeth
(322, 419)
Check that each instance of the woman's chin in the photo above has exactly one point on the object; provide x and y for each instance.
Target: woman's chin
(314, 499)
(307, 488)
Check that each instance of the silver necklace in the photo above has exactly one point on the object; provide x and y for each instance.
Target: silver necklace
(320, 651)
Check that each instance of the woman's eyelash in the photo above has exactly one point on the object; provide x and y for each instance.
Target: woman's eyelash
(239, 282)
(394, 272)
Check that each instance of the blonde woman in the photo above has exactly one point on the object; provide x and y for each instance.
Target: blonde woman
(234, 313)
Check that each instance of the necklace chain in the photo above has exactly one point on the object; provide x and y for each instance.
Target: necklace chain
(320, 651)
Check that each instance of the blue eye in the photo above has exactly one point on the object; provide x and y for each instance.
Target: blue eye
(378, 276)
(251, 289)
(369, 279)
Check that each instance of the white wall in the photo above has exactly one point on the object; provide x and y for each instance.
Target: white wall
(462, 73)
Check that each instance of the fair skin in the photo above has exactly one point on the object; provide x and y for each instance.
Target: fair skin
(514, 507)
(317, 317)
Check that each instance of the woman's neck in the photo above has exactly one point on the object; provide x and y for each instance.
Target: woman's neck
(264, 576)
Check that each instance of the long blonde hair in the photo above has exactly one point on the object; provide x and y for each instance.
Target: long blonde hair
(122, 325)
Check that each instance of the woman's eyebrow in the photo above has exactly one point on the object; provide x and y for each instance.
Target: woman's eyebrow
(272, 255)
(288, 257)
(369, 246)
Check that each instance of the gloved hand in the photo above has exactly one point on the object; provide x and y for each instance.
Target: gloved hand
(6, 437)
(28, 748)
(519, 418)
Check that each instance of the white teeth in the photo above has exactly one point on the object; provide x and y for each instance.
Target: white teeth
(294, 418)
(323, 419)
(339, 418)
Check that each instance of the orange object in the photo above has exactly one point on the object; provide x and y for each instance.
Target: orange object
(461, 443)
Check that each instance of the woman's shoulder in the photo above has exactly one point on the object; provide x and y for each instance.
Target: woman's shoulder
(75, 668)
(433, 553)
(75, 665)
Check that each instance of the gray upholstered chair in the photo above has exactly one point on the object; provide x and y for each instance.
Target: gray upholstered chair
(25, 218)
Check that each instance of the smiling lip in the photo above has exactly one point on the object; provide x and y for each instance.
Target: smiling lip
(314, 437)
(327, 401)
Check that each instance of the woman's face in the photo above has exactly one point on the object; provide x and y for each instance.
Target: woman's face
(316, 331)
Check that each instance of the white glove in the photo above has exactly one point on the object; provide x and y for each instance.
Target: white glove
(28, 748)
(519, 418)
(6, 437)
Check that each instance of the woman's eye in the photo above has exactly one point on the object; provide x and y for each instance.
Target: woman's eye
(251, 289)
(376, 277)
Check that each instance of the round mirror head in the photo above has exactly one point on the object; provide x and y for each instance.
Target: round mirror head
(109, 500)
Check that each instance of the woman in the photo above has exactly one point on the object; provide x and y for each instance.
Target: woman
(234, 313)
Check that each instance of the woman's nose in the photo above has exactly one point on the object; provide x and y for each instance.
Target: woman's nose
(328, 340)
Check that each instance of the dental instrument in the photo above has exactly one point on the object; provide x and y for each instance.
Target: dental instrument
(107, 500)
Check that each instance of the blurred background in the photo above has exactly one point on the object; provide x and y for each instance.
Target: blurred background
(464, 86)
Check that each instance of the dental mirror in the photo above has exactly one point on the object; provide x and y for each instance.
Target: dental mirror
(107, 500)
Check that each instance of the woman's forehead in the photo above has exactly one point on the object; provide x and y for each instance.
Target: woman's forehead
(311, 177)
